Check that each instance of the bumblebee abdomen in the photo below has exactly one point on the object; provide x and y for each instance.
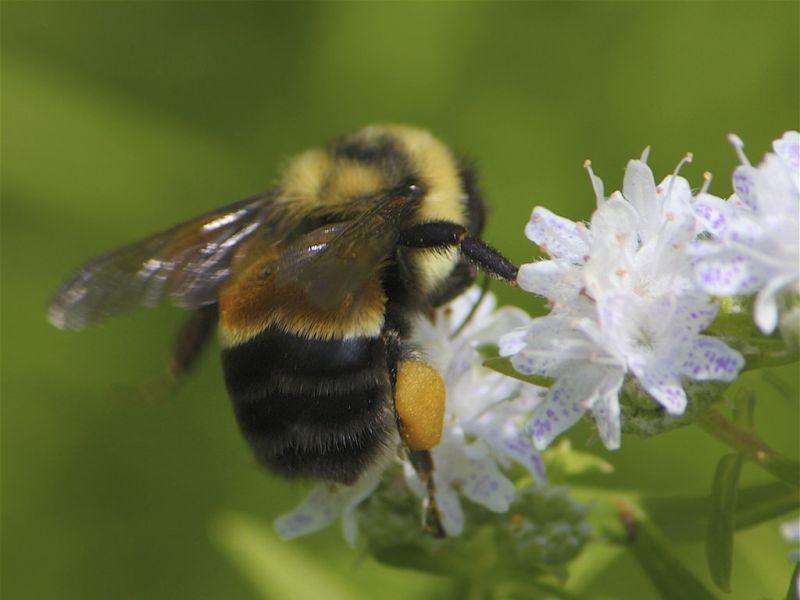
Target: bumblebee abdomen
(309, 407)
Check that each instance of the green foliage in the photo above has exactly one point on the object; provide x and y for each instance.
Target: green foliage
(722, 520)
(669, 576)
(686, 518)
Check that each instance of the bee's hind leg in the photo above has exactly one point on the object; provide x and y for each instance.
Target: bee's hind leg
(192, 337)
(418, 393)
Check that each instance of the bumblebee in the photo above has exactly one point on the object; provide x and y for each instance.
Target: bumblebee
(313, 286)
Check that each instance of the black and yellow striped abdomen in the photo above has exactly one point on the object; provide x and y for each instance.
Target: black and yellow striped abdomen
(311, 408)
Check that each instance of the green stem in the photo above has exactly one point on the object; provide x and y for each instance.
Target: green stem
(749, 444)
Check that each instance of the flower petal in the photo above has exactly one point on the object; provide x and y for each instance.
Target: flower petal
(363, 488)
(545, 278)
(557, 236)
(710, 358)
(605, 411)
(727, 274)
(765, 310)
(563, 406)
(663, 384)
(482, 482)
(449, 505)
(788, 148)
(318, 510)
(513, 341)
(744, 184)
(713, 213)
(639, 188)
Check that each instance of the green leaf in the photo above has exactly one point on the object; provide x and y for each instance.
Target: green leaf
(668, 575)
(748, 443)
(504, 366)
(794, 584)
(685, 518)
(744, 404)
(274, 567)
(719, 539)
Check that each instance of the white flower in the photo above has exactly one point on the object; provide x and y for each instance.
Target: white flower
(755, 235)
(624, 302)
(484, 430)
(327, 502)
(790, 532)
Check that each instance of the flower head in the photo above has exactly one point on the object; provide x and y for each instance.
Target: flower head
(624, 303)
(754, 236)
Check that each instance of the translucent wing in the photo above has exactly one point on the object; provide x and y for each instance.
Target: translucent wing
(188, 262)
(335, 261)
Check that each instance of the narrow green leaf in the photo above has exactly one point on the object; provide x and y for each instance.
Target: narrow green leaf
(744, 408)
(670, 578)
(719, 539)
(504, 366)
(753, 447)
(793, 593)
(274, 567)
(685, 518)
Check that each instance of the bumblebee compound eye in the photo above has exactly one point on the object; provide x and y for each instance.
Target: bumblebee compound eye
(419, 404)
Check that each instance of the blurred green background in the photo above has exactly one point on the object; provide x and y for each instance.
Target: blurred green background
(121, 118)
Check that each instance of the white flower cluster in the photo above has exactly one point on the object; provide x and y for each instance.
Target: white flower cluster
(630, 291)
(755, 234)
(484, 431)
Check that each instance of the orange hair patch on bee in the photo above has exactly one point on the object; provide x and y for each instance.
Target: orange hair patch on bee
(419, 402)
(251, 303)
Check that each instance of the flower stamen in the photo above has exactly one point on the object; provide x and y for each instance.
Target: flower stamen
(738, 146)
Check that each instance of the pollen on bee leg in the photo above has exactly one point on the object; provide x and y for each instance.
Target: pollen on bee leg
(419, 403)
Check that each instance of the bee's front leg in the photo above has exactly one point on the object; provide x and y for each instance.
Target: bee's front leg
(419, 394)
(443, 234)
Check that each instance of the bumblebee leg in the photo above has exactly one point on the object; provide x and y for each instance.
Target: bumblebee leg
(489, 260)
(422, 461)
(441, 234)
(419, 411)
(191, 339)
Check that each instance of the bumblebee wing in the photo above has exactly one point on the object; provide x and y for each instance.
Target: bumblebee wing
(332, 263)
(188, 262)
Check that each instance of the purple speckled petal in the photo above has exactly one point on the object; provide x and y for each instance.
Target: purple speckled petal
(713, 213)
(692, 313)
(744, 183)
(563, 406)
(709, 358)
(728, 274)
(517, 447)
(663, 384)
(482, 482)
(557, 236)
